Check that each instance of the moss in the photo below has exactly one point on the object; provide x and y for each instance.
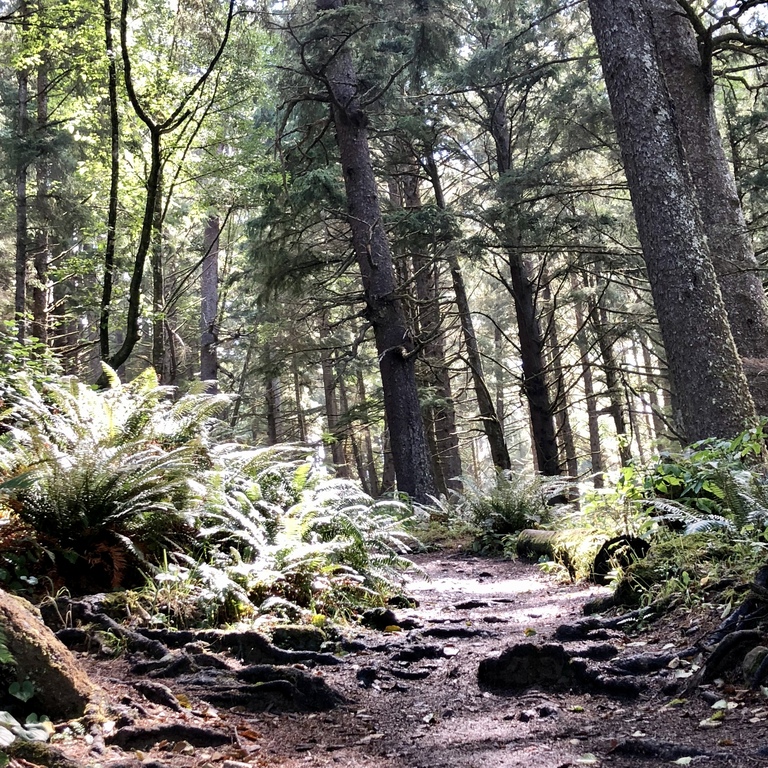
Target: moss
(681, 563)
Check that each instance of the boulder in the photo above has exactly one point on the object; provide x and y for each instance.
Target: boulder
(49, 678)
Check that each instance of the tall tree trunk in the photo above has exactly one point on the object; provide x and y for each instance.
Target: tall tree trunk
(659, 428)
(22, 165)
(567, 449)
(354, 444)
(370, 462)
(384, 309)
(498, 373)
(335, 438)
(691, 89)
(114, 181)
(245, 374)
(705, 370)
(158, 287)
(41, 289)
(613, 383)
(593, 418)
(156, 130)
(522, 286)
(273, 398)
(489, 419)
(434, 369)
(300, 420)
(209, 302)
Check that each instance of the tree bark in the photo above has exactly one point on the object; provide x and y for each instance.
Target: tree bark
(692, 92)
(370, 463)
(706, 373)
(489, 419)
(209, 302)
(522, 287)
(158, 285)
(335, 438)
(114, 181)
(435, 372)
(613, 383)
(384, 308)
(593, 418)
(566, 448)
(22, 165)
(41, 289)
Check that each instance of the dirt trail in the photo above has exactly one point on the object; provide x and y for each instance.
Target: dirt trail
(415, 702)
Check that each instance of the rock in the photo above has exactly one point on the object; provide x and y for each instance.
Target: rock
(548, 667)
(366, 676)
(418, 653)
(752, 663)
(58, 686)
(299, 637)
(402, 601)
(527, 665)
(379, 618)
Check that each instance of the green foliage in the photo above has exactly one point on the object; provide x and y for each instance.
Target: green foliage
(516, 501)
(705, 510)
(105, 474)
(128, 486)
(6, 657)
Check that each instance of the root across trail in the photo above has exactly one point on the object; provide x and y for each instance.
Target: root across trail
(495, 666)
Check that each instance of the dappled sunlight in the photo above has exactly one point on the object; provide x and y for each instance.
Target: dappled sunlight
(478, 586)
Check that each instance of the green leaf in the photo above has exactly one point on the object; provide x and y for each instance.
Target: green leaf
(24, 690)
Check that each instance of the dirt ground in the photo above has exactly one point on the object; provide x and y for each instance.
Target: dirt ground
(405, 713)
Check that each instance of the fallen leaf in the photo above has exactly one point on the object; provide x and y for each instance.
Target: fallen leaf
(529, 632)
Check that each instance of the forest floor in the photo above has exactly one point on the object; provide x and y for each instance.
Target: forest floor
(407, 707)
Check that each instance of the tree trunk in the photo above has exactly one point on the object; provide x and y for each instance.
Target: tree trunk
(498, 373)
(593, 419)
(41, 290)
(706, 373)
(488, 417)
(300, 420)
(158, 287)
(613, 383)
(692, 92)
(335, 438)
(384, 309)
(435, 373)
(370, 463)
(272, 395)
(22, 137)
(209, 301)
(114, 181)
(522, 287)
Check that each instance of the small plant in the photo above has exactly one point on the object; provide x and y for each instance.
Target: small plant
(516, 501)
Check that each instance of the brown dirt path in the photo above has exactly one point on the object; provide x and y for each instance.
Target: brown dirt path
(431, 713)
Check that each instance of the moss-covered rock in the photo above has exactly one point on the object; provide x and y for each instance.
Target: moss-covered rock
(47, 674)
(299, 637)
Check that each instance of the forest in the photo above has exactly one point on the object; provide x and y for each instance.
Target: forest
(295, 295)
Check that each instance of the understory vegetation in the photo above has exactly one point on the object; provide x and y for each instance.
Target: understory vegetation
(131, 489)
(137, 491)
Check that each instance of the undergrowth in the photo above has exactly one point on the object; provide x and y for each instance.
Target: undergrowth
(133, 488)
